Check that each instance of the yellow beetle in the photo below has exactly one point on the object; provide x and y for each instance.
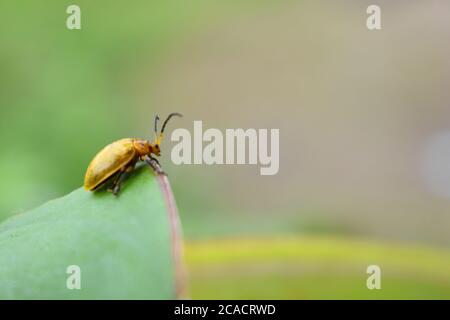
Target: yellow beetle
(116, 160)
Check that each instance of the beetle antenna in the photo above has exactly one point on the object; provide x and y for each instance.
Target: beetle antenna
(156, 125)
(168, 118)
(165, 123)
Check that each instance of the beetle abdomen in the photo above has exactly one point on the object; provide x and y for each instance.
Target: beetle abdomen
(108, 161)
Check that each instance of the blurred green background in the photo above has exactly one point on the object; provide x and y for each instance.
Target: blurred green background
(363, 117)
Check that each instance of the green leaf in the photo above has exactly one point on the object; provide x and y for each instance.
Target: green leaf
(315, 267)
(125, 246)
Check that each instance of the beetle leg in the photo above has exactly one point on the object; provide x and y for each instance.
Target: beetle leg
(143, 158)
(120, 178)
(118, 183)
(110, 182)
(155, 160)
(152, 162)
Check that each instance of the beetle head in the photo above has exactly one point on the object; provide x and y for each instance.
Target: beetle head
(155, 149)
